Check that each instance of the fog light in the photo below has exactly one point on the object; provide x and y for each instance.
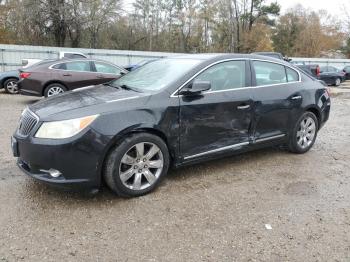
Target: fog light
(52, 172)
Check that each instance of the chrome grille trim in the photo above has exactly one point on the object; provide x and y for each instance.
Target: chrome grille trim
(27, 122)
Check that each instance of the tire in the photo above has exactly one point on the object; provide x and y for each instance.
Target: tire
(10, 86)
(337, 81)
(128, 173)
(304, 134)
(54, 89)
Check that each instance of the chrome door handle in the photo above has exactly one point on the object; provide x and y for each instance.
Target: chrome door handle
(243, 107)
(296, 97)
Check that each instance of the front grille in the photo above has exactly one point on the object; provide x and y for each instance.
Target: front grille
(27, 122)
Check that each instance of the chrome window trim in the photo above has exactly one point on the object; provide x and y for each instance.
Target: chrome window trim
(174, 95)
(262, 60)
(84, 60)
(217, 150)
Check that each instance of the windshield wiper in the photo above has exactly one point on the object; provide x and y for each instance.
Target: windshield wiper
(126, 87)
(110, 84)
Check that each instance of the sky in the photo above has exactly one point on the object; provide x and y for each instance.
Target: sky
(334, 7)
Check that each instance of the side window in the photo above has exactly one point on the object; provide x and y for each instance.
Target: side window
(267, 73)
(81, 66)
(226, 75)
(60, 66)
(292, 75)
(323, 69)
(106, 68)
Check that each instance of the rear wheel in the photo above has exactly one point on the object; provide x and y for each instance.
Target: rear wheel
(304, 133)
(136, 166)
(10, 86)
(54, 89)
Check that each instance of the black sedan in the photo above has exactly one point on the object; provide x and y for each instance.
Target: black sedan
(331, 75)
(172, 112)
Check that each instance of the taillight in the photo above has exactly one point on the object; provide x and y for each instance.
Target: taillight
(318, 71)
(24, 75)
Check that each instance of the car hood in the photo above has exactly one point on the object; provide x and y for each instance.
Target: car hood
(79, 98)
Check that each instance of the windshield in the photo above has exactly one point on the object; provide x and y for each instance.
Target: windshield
(156, 75)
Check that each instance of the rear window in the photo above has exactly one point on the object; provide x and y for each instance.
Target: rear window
(292, 75)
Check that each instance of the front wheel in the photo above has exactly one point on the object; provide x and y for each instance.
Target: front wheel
(304, 133)
(136, 165)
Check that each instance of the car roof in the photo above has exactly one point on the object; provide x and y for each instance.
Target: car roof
(222, 56)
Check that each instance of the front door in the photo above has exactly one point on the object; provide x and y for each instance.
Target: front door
(77, 74)
(219, 119)
(106, 72)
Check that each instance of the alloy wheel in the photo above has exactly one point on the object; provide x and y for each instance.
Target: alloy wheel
(141, 166)
(55, 90)
(12, 87)
(306, 132)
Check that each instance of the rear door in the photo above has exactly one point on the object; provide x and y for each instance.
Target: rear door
(106, 72)
(277, 99)
(76, 74)
(219, 119)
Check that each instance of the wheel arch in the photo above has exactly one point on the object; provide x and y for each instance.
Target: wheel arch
(316, 112)
(52, 82)
(128, 132)
(7, 78)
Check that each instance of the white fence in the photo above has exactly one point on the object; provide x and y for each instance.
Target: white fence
(11, 56)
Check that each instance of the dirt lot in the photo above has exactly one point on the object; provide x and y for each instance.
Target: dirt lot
(215, 211)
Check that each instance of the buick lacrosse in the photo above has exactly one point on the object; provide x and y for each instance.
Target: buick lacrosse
(168, 113)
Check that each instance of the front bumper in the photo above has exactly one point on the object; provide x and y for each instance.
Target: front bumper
(78, 159)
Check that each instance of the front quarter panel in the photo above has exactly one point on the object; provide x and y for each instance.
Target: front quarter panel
(159, 114)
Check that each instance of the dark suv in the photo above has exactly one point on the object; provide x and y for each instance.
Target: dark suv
(53, 77)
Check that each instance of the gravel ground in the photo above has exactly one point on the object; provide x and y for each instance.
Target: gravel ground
(216, 211)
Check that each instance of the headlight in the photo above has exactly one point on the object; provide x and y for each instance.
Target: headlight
(65, 128)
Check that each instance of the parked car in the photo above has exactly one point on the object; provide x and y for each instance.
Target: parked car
(273, 55)
(132, 67)
(331, 75)
(312, 69)
(8, 81)
(346, 70)
(48, 78)
(328, 74)
(173, 112)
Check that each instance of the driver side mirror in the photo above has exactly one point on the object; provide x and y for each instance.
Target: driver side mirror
(196, 88)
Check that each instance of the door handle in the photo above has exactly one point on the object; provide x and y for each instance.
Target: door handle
(296, 97)
(67, 75)
(100, 76)
(243, 107)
